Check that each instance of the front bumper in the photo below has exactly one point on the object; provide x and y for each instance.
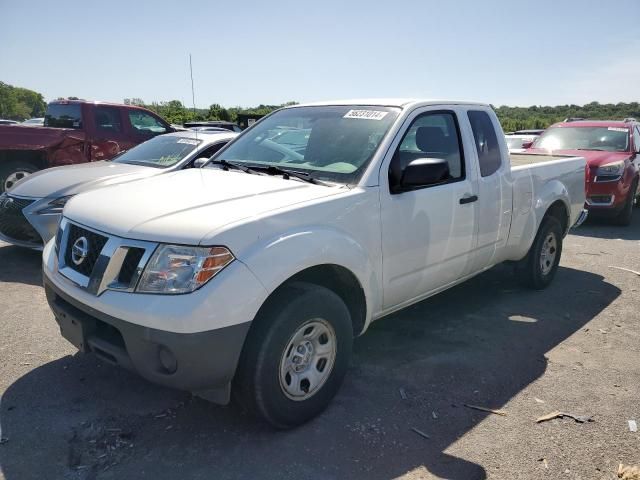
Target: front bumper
(203, 362)
(606, 198)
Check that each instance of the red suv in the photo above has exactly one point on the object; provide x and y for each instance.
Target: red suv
(612, 151)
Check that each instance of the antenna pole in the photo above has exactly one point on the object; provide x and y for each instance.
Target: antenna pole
(193, 92)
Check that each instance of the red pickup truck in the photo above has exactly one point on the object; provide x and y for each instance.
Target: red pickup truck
(75, 131)
(612, 151)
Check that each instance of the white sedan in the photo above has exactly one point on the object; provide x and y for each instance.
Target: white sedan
(30, 211)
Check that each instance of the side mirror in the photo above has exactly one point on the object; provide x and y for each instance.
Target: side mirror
(423, 172)
(527, 144)
(199, 162)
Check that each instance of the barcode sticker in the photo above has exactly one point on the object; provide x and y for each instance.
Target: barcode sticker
(617, 129)
(366, 114)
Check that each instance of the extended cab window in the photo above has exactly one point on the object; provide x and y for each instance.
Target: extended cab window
(431, 135)
(63, 115)
(144, 123)
(108, 119)
(486, 142)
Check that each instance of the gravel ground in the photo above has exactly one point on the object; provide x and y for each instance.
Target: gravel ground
(573, 347)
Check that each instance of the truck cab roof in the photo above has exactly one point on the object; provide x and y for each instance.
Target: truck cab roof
(389, 102)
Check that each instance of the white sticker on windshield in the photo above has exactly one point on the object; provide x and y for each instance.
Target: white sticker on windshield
(188, 140)
(366, 114)
(617, 129)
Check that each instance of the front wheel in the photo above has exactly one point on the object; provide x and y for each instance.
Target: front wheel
(296, 355)
(538, 268)
(13, 172)
(624, 217)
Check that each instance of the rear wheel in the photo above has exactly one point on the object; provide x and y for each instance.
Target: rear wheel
(296, 355)
(13, 172)
(539, 267)
(624, 217)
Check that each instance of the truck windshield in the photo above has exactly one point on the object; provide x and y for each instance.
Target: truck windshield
(611, 139)
(63, 115)
(333, 143)
(159, 152)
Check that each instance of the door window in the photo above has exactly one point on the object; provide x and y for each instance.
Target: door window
(636, 139)
(108, 119)
(146, 124)
(486, 142)
(430, 135)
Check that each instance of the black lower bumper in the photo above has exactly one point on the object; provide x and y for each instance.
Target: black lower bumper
(203, 363)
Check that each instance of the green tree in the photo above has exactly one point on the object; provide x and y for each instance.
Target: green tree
(20, 103)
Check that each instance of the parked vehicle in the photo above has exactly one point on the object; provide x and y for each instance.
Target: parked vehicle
(31, 210)
(256, 271)
(8, 122)
(33, 122)
(75, 131)
(533, 132)
(519, 143)
(611, 149)
(214, 123)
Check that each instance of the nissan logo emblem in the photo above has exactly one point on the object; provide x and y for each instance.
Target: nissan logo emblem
(79, 250)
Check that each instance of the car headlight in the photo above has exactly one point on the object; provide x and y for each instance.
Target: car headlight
(56, 205)
(614, 169)
(182, 269)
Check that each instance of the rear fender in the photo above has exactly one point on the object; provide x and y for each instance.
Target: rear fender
(528, 213)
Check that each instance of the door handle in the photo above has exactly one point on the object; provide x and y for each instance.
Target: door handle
(469, 199)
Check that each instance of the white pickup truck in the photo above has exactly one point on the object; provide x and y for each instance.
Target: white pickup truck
(253, 274)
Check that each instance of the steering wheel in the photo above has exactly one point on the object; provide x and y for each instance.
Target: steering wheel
(290, 156)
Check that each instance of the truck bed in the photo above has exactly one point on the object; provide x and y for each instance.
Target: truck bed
(523, 159)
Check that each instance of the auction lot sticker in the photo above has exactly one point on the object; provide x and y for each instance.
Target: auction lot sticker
(366, 114)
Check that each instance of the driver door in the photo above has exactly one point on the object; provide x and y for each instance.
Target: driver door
(428, 233)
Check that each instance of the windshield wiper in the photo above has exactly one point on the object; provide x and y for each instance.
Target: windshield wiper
(286, 174)
(593, 149)
(226, 164)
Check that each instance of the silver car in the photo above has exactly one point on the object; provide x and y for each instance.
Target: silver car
(30, 210)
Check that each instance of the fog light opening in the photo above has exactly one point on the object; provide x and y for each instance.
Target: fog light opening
(167, 359)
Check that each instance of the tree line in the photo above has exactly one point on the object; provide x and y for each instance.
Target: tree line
(520, 118)
(20, 103)
(177, 113)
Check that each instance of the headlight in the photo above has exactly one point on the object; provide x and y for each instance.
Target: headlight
(182, 269)
(611, 169)
(56, 205)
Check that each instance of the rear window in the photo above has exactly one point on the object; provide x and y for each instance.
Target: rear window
(63, 115)
(486, 142)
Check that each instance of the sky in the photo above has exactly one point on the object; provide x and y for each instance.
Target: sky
(245, 53)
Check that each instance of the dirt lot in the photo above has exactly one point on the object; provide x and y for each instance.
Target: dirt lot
(573, 347)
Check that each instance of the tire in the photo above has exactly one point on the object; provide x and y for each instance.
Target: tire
(11, 172)
(537, 272)
(272, 344)
(624, 217)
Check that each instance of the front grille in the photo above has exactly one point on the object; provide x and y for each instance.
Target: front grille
(130, 265)
(110, 262)
(95, 243)
(13, 223)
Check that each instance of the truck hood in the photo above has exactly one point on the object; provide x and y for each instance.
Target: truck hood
(594, 158)
(185, 206)
(72, 179)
